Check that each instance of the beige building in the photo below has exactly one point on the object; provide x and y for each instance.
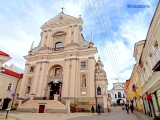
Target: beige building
(8, 84)
(61, 73)
(149, 67)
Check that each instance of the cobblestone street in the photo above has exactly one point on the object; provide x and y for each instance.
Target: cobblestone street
(116, 114)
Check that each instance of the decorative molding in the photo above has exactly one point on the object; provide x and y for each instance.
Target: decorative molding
(91, 57)
(71, 59)
(59, 33)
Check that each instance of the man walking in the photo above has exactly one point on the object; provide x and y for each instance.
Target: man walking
(127, 108)
(99, 109)
(92, 109)
(131, 107)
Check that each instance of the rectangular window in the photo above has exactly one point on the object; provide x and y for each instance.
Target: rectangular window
(32, 69)
(83, 65)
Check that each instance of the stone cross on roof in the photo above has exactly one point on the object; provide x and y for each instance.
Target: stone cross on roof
(62, 9)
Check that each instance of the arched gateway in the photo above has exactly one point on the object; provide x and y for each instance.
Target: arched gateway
(55, 78)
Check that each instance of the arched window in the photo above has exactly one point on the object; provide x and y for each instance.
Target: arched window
(119, 95)
(98, 91)
(123, 96)
(9, 87)
(115, 96)
(58, 46)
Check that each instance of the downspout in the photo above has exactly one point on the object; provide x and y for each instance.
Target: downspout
(15, 90)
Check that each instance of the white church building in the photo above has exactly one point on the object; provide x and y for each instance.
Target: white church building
(117, 93)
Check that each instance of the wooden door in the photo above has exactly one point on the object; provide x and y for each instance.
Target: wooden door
(41, 108)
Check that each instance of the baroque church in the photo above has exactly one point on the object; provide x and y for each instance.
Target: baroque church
(61, 73)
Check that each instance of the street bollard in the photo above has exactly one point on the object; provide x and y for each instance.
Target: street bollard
(7, 112)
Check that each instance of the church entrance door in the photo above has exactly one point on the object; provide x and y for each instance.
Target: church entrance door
(55, 88)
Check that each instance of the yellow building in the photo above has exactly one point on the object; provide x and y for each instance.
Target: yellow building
(8, 84)
(63, 68)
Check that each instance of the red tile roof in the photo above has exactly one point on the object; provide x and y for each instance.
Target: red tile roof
(4, 54)
(11, 73)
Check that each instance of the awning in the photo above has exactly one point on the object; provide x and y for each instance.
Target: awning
(149, 97)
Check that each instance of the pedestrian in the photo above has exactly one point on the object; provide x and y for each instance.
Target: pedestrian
(131, 107)
(99, 109)
(92, 109)
(127, 108)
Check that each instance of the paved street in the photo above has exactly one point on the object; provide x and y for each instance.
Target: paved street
(116, 114)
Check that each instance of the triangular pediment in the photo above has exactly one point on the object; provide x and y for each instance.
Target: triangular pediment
(61, 18)
(118, 87)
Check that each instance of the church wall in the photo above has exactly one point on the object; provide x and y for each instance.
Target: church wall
(92, 81)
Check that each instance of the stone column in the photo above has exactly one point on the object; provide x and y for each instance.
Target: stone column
(48, 91)
(105, 103)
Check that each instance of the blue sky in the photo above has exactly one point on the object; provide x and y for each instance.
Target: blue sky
(20, 24)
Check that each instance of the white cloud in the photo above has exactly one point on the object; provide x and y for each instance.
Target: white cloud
(22, 26)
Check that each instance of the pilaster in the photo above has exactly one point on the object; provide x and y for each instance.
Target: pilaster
(66, 79)
(23, 86)
(36, 79)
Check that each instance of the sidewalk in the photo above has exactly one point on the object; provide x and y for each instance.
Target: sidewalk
(2, 117)
(142, 116)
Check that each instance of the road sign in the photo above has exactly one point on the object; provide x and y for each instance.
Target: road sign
(13, 95)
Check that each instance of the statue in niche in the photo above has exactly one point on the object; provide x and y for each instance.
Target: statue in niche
(83, 81)
(57, 72)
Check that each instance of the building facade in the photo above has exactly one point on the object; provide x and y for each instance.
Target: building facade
(148, 68)
(8, 84)
(117, 93)
(62, 68)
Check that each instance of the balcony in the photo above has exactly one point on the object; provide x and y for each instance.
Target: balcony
(155, 59)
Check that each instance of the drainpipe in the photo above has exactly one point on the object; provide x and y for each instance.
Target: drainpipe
(15, 90)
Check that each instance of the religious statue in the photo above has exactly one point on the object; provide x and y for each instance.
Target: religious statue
(57, 72)
(83, 82)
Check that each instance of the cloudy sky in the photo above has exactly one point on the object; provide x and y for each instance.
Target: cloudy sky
(20, 23)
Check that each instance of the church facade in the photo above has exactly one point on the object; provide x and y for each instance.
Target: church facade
(61, 73)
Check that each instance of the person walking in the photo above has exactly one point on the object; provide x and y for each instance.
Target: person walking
(92, 109)
(99, 109)
(131, 107)
(127, 108)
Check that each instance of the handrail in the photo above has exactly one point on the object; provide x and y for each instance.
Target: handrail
(25, 100)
